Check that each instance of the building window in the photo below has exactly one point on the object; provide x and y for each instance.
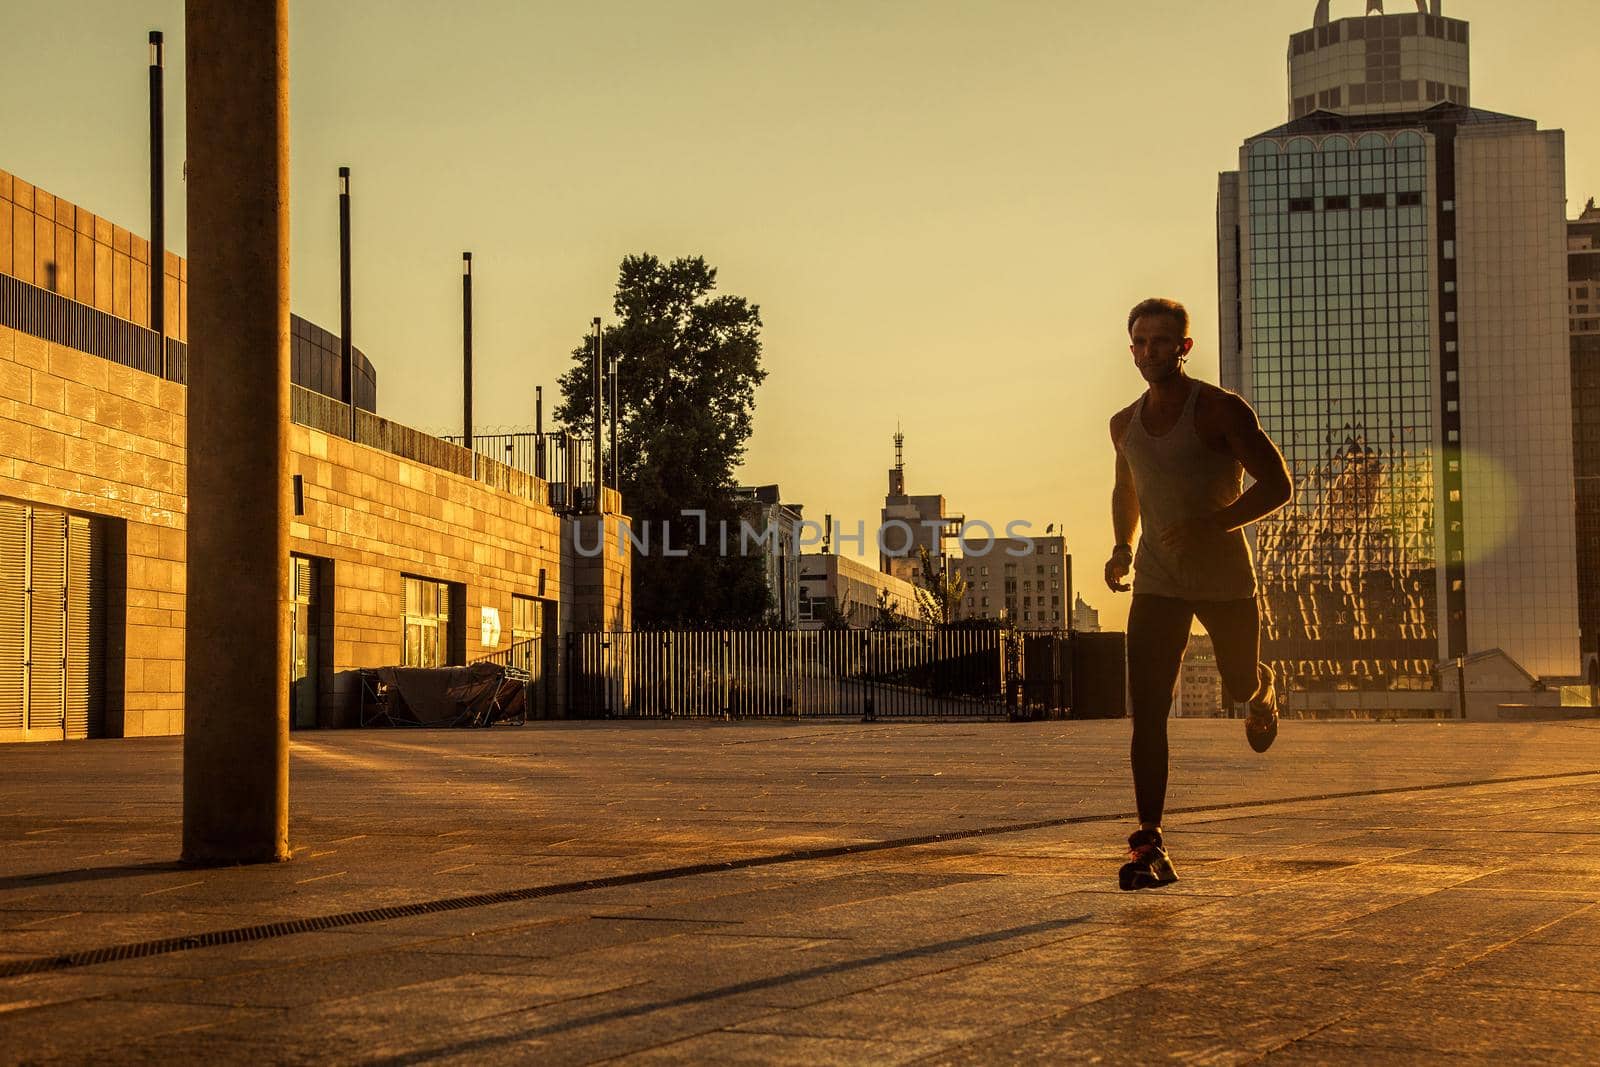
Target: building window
(427, 623)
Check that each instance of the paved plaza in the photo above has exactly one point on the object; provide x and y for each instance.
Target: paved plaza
(818, 893)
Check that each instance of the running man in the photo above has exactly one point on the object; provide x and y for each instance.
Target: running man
(1182, 450)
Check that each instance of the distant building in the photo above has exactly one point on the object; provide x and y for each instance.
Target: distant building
(777, 524)
(832, 583)
(1583, 319)
(1028, 582)
(1084, 618)
(1391, 265)
(911, 523)
(1199, 693)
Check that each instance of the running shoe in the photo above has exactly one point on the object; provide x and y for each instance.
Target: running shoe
(1261, 723)
(1148, 865)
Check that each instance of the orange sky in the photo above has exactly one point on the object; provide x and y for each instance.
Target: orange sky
(943, 209)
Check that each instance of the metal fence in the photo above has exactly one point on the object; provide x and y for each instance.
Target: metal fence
(63, 321)
(309, 408)
(563, 460)
(865, 674)
(534, 656)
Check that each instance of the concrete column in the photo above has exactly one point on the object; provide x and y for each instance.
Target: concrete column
(236, 702)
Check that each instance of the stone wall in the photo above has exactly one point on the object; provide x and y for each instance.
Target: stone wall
(81, 434)
(377, 517)
(84, 435)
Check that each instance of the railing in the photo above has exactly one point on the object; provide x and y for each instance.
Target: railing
(867, 674)
(60, 320)
(564, 461)
(871, 674)
(315, 361)
(533, 657)
(332, 417)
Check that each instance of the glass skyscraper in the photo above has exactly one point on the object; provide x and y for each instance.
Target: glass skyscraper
(1382, 260)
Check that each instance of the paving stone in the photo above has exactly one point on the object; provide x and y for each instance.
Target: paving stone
(1455, 919)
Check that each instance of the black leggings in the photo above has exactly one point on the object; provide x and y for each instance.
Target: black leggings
(1158, 631)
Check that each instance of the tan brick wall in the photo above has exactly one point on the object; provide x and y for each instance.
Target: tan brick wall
(84, 435)
(56, 245)
(599, 591)
(81, 434)
(378, 517)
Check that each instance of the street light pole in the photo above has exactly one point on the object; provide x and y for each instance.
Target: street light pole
(466, 350)
(346, 347)
(538, 431)
(599, 425)
(158, 200)
(616, 463)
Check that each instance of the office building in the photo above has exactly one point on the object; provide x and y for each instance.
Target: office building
(1392, 266)
(776, 527)
(1199, 693)
(1583, 321)
(1084, 618)
(842, 591)
(1024, 581)
(911, 524)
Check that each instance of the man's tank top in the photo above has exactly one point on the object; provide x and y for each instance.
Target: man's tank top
(1178, 476)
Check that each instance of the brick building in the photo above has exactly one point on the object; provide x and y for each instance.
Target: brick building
(406, 549)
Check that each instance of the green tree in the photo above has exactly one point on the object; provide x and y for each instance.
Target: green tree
(825, 611)
(689, 364)
(939, 593)
(888, 617)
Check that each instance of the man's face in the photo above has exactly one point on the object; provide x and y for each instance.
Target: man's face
(1158, 346)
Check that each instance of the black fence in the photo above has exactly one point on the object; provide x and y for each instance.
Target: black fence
(536, 658)
(315, 359)
(59, 320)
(866, 674)
(563, 460)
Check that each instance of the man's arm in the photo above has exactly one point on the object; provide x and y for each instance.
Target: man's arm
(1261, 460)
(1124, 513)
(1124, 504)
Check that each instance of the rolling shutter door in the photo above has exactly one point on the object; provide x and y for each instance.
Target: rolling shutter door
(47, 618)
(13, 618)
(85, 631)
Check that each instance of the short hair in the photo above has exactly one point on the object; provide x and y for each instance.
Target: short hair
(1158, 305)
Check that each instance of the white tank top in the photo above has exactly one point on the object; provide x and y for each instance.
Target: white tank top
(1178, 476)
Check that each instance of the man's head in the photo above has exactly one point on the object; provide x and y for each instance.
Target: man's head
(1158, 332)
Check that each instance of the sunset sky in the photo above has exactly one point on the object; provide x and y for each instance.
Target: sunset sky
(943, 209)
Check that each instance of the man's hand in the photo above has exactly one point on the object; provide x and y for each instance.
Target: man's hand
(1117, 568)
(1190, 535)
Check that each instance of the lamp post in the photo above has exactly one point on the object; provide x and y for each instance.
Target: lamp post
(538, 431)
(599, 388)
(346, 347)
(616, 463)
(158, 200)
(466, 350)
